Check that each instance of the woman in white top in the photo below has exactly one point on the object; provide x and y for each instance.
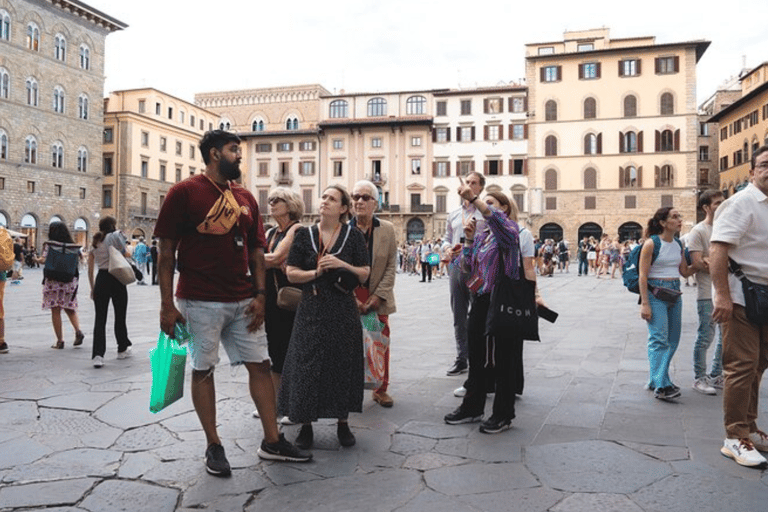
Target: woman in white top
(106, 287)
(661, 267)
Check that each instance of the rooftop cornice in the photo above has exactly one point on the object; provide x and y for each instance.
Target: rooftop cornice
(89, 13)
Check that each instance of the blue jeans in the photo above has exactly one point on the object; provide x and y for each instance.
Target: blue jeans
(663, 334)
(703, 340)
(583, 266)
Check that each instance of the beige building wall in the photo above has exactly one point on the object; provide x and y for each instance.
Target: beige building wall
(151, 141)
(587, 190)
(36, 190)
(743, 127)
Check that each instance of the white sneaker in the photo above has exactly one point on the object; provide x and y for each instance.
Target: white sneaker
(716, 382)
(702, 386)
(285, 420)
(98, 362)
(760, 440)
(125, 354)
(743, 452)
(460, 392)
(255, 413)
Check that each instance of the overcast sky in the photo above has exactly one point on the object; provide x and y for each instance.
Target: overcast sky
(183, 47)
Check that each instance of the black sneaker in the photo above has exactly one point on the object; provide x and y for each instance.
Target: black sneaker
(216, 462)
(282, 450)
(3, 348)
(459, 367)
(494, 425)
(667, 393)
(346, 437)
(461, 416)
(305, 438)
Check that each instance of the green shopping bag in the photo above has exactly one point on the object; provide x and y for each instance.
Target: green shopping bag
(168, 361)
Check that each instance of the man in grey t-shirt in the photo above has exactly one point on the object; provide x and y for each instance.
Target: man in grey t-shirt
(698, 245)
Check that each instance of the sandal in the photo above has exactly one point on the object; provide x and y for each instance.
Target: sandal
(79, 337)
(58, 345)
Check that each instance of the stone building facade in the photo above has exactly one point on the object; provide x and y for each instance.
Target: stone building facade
(613, 132)
(151, 141)
(51, 87)
(742, 128)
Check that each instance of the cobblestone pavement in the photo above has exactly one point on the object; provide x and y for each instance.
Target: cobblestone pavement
(587, 435)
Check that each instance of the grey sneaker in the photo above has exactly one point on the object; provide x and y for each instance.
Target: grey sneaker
(716, 382)
(702, 386)
(282, 450)
(98, 362)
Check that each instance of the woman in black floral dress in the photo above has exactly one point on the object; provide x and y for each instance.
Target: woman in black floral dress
(323, 372)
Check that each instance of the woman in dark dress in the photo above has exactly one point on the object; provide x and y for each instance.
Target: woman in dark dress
(323, 371)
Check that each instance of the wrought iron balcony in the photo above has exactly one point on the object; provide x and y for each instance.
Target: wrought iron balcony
(283, 179)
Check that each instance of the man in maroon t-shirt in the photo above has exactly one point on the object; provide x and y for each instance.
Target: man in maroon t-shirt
(214, 228)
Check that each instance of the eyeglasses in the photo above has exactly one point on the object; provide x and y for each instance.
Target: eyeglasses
(275, 200)
(364, 197)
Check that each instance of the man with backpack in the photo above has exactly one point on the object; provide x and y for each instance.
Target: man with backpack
(563, 256)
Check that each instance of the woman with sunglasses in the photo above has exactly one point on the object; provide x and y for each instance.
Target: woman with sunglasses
(492, 356)
(323, 372)
(661, 267)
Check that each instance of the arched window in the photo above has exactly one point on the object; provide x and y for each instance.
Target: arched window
(5, 25)
(57, 155)
(82, 107)
(745, 151)
(32, 92)
(415, 105)
(85, 57)
(629, 142)
(3, 145)
(550, 111)
(292, 123)
(590, 108)
(224, 124)
(5, 83)
(550, 179)
(630, 106)
(667, 141)
(550, 146)
(665, 176)
(590, 179)
(33, 37)
(590, 144)
(60, 48)
(628, 177)
(667, 106)
(377, 107)
(58, 99)
(338, 109)
(82, 159)
(30, 150)
(257, 125)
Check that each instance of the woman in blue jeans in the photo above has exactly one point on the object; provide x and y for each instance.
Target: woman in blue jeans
(662, 267)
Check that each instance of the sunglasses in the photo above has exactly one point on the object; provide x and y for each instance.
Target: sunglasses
(274, 200)
(364, 197)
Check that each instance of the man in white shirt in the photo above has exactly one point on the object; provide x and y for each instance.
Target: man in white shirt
(460, 295)
(697, 241)
(740, 233)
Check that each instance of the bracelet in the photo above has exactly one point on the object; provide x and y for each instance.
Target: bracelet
(473, 200)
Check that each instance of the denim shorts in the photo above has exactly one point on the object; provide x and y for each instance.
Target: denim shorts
(212, 322)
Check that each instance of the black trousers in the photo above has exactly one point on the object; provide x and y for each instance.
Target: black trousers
(108, 288)
(491, 358)
(426, 271)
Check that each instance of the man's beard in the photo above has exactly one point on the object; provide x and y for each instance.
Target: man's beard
(229, 170)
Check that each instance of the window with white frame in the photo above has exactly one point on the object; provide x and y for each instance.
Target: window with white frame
(550, 74)
(415, 165)
(441, 134)
(30, 150)
(85, 57)
(307, 145)
(292, 123)
(57, 155)
(376, 142)
(377, 107)
(465, 133)
(518, 131)
(307, 168)
(629, 67)
(257, 125)
(416, 105)
(60, 48)
(82, 106)
(5, 83)
(82, 159)
(441, 169)
(32, 91)
(492, 105)
(518, 105)
(415, 141)
(58, 99)
(338, 143)
(225, 124)
(33, 37)
(589, 71)
(493, 131)
(338, 168)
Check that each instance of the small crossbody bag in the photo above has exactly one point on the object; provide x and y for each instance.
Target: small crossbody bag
(755, 296)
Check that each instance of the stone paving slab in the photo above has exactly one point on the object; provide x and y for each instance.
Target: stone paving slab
(125, 496)
(479, 478)
(63, 492)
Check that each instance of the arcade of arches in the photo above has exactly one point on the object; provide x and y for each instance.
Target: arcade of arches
(627, 231)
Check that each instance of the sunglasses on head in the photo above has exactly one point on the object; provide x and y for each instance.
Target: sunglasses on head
(364, 197)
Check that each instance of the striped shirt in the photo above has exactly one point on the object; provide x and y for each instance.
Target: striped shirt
(482, 259)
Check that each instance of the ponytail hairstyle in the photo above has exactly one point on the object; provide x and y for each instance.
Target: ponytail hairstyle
(654, 223)
(107, 225)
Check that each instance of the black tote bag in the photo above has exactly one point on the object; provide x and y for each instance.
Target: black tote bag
(513, 306)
